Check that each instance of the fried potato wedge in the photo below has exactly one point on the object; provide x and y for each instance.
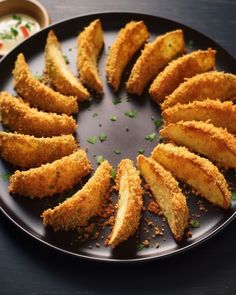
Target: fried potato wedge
(167, 193)
(51, 178)
(84, 204)
(27, 151)
(130, 203)
(212, 85)
(129, 40)
(154, 57)
(220, 114)
(213, 142)
(38, 94)
(18, 116)
(197, 172)
(90, 43)
(58, 72)
(176, 71)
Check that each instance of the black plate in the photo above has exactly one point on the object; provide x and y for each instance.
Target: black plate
(95, 119)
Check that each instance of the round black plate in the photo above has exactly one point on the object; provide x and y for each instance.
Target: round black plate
(94, 119)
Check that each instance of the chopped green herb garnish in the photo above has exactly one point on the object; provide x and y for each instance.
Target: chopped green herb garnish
(140, 247)
(233, 196)
(38, 77)
(131, 114)
(113, 118)
(18, 18)
(100, 159)
(194, 223)
(190, 43)
(93, 232)
(141, 151)
(102, 137)
(66, 59)
(6, 36)
(157, 122)
(150, 137)
(92, 139)
(113, 173)
(6, 176)
(95, 115)
(28, 26)
(116, 101)
(128, 99)
(14, 32)
(117, 152)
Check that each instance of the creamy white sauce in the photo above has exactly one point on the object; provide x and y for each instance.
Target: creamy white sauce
(14, 28)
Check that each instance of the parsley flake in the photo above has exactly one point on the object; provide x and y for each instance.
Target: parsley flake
(116, 101)
(14, 32)
(150, 137)
(233, 196)
(113, 118)
(131, 114)
(100, 159)
(140, 247)
(6, 176)
(141, 151)
(117, 152)
(92, 139)
(157, 122)
(113, 173)
(102, 137)
(194, 223)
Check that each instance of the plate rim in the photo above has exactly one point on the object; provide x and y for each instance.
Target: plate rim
(108, 259)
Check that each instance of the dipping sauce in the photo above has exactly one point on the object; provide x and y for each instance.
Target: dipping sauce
(14, 28)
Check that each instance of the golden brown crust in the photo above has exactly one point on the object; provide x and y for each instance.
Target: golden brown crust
(28, 151)
(198, 172)
(128, 41)
(167, 193)
(90, 43)
(38, 94)
(176, 71)
(212, 85)
(220, 114)
(154, 57)
(204, 138)
(18, 116)
(59, 73)
(129, 203)
(84, 204)
(52, 178)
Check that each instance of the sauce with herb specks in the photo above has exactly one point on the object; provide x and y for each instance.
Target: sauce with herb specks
(14, 28)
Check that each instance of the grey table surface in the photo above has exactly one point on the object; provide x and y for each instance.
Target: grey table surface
(27, 267)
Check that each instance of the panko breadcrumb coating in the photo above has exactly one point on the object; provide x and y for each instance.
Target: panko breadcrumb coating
(90, 42)
(204, 138)
(176, 71)
(18, 116)
(212, 85)
(167, 193)
(220, 114)
(130, 202)
(38, 94)
(154, 57)
(59, 73)
(129, 40)
(196, 171)
(84, 204)
(52, 178)
(27, 151)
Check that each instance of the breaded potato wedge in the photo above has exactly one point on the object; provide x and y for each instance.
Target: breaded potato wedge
(90, 43)
(130, 203)
(27, 151)
(129, 40)
(167, 193)
(196, 171)
(154, 57)
(220, 114)
(176, 71)
(212, 85)
(58, 73)
(84, 204)
(38, 94)
(51, 178)
(213, 142)
(18, 116)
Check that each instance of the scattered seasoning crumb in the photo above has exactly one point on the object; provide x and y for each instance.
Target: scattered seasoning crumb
(95, 115)
(113, 118)
(127, 129)
(189, 234)
(146, 243)
(150, 137)
(117, 152)
(153, 207)
(100, 159)
(70, 49)
(92, 139)
(157, 245)
(97, 245)
(128, 98)
(90, 246)
(66, 59)
(102, 136)
(131, 114)
(194, 223)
